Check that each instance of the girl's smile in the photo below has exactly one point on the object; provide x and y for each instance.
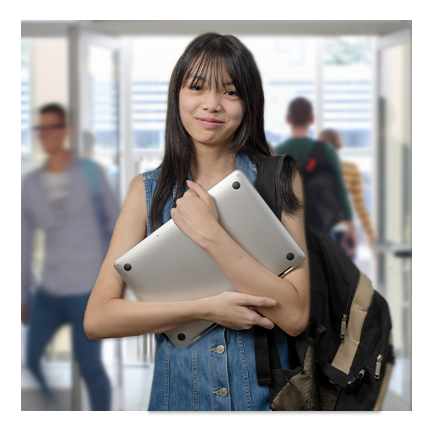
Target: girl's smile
(210, 122)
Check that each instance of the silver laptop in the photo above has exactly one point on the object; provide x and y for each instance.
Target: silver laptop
(169, 266)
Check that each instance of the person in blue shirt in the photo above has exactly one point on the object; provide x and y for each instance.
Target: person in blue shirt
(214, 125)
(57, 198)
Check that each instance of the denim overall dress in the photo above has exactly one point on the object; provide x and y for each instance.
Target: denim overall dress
(217, 372)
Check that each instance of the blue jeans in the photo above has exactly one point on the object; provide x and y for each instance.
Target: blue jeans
(47, 314)
(337, 236)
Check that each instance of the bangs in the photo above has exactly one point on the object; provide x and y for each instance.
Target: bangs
(210, 67)
(217, 60)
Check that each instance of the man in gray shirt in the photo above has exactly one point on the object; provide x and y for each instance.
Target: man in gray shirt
(58, 198)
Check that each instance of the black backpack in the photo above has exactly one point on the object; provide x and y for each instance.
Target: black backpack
(343, 360)
(322, 189)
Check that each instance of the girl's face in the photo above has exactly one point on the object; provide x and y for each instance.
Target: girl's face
(210, 116)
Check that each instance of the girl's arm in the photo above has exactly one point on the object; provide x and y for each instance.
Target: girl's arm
(108, 315)
(196, 216)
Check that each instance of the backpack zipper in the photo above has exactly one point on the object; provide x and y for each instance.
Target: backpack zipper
(380, 357)
(346, 310)
(343, 328)
(378, 367)
(343, 323)
(355, 381)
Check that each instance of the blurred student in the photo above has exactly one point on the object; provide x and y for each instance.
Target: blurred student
(327, 203)
(70, 200)
(353, 180)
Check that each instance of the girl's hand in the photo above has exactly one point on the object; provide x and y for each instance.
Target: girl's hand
(195, 213)
(236, 310)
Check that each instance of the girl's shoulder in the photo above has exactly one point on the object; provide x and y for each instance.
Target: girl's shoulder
(151, 175)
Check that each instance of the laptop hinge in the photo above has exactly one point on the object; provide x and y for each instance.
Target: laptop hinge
(204, 332)
(286, 272)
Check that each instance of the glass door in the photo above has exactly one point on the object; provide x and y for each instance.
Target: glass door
(394, 160)
(95, 113)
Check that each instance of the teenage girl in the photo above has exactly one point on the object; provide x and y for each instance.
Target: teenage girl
(214, 125)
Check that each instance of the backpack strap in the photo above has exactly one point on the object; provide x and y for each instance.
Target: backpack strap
(93, 181)
(267, 357)
(318, 148)
(262, 358)
(317, 151)
(92, 178)
(269, 187)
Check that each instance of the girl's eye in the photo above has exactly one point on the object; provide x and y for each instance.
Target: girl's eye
(196, 88)
(231, 93)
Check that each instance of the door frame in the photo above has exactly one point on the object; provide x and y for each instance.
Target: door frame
(79, 38)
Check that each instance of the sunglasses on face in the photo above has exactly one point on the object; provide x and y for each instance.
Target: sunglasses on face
(47, 128)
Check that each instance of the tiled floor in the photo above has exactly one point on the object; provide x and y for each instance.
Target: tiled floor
(137, 379)
(137, 386)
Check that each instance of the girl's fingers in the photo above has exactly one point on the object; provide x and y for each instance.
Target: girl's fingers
(265, 302)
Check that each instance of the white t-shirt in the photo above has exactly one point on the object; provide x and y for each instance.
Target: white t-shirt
(57, 189)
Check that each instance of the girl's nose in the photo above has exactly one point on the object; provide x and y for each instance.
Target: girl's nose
(211, 101)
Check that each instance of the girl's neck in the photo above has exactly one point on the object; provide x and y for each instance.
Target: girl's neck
(211, 165)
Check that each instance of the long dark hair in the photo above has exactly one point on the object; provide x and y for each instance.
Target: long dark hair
(207, 56)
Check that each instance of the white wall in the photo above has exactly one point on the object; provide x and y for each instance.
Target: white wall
(50, 79)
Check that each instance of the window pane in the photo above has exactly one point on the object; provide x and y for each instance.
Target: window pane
(102, 88)
(348, 88)
(287, 68)
(25, 95)
(151, 76)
